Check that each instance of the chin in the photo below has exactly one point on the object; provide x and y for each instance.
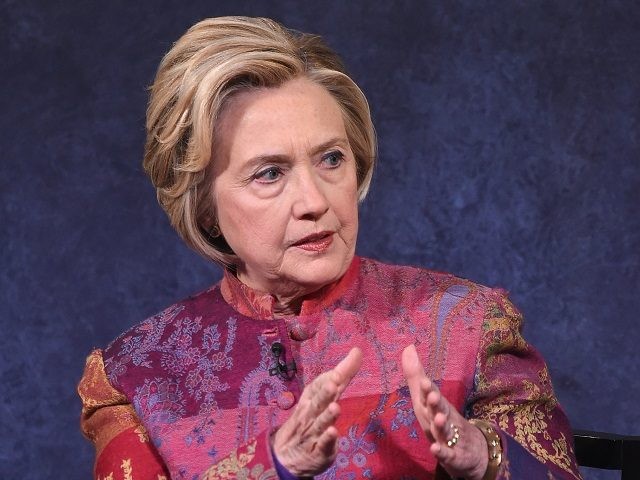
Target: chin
(320, 270)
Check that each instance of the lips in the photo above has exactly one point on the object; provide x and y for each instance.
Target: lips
(316, 242)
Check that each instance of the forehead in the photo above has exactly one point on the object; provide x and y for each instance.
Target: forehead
(298, 114)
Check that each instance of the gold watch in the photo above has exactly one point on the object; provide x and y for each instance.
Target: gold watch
(495, 447)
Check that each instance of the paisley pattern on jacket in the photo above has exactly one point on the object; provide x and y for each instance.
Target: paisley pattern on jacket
(197, 375)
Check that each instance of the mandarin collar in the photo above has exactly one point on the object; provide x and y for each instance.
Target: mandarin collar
(256, 304)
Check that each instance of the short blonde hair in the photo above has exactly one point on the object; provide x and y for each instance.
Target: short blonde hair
(213, 60)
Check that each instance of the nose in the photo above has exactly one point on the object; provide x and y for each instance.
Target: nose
(310, 197)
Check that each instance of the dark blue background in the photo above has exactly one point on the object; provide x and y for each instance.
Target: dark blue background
(509, 154)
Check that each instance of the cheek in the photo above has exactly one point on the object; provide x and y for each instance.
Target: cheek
(353, 222)
(251, 228)
(344, 196)
(348, 207)
(347, 212)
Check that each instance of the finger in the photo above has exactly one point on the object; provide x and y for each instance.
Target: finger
(443, 432)
(326, 419)
(419, 387)
(442, 452)
(436, 402)
(414, 374)
(327, 387)
(428, 387)
(439, 412)
(442, 422)
(346, 369)
(411, 365)
(326, 443)
(322, 396)
(441, 428)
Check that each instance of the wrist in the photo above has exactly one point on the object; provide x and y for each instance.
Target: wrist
(283, 472)
(494, 448)
(285, 469)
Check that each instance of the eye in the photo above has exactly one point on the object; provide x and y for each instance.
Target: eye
(268, 175)
(333, 159)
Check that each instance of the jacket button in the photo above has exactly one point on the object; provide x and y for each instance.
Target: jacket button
(270, 332)
(286, 400)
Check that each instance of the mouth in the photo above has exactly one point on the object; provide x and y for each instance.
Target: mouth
(316, 242)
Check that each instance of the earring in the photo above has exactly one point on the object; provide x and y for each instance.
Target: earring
(215, 231)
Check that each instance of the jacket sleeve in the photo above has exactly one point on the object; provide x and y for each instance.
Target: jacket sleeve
(513, 391)
(123, 448)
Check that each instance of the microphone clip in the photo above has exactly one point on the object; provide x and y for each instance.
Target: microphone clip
(285, 371)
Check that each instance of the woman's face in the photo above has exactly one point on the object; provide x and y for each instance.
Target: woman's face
(285, 188)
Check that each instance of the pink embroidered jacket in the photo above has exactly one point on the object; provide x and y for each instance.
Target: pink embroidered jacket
(197, 378)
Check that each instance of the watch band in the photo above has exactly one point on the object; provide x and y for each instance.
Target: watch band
(495, 447)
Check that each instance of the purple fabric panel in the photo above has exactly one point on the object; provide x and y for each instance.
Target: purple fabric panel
(521, 464)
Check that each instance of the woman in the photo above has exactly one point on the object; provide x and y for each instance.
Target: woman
(305, 360)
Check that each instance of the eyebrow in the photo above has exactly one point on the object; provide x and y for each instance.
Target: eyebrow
(335, 141)
(281, 158)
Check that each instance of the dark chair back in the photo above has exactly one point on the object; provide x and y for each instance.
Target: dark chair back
(609, 451)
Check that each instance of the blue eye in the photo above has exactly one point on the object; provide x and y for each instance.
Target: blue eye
(268, 175)
(333, 159)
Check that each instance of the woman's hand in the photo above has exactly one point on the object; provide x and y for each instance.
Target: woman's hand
(306, 443)
(468, 458)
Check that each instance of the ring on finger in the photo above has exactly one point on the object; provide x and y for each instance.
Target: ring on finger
(453, 441)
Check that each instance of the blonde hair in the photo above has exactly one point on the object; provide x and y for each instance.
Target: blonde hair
(213, 60)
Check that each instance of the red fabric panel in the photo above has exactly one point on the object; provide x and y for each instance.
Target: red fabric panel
(130, 456)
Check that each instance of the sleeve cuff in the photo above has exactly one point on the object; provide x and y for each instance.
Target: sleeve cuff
(283, 473)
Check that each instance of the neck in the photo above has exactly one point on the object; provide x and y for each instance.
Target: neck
(287, 308)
